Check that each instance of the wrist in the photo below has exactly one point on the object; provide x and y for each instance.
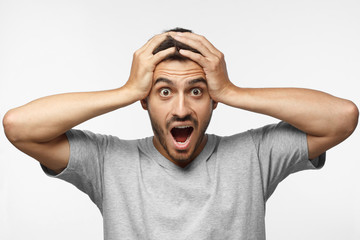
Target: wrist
(227, 94)
(133, 93)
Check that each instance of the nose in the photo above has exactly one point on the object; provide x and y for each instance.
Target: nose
(181, 106)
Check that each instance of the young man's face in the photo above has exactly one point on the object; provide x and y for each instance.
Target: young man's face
(180, 109)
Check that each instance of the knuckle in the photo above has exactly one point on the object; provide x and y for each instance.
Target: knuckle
(217, 60)
(221, 55)
(137, 53)
(213, 67)
(197, 57)
(214, 64)
(200, 44)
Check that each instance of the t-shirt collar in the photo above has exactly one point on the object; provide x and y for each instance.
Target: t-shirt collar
(166, 163)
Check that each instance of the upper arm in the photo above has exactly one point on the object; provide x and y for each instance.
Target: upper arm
(53, 154)
(341, 128)
(318, 145)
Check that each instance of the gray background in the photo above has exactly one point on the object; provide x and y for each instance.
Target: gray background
(49, 47)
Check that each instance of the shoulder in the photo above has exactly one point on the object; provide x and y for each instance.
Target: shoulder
(269, 135)
(281, 128)
(102, 142)
(234, 143)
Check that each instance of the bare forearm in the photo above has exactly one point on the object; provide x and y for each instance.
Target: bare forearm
(46, 118)
(314, 112)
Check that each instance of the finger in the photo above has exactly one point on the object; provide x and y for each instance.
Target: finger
(158, 57)
(195, 44)
(199, 38)
(196, 57)
(154, 42)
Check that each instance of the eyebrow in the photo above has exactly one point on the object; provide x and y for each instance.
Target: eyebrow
(165, 80)
(191, 82)
(197, 80)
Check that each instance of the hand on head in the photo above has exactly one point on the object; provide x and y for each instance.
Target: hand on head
(143, 65)
(210, 59)
(192, 46)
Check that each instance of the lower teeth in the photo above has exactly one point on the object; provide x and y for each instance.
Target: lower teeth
(182, 142)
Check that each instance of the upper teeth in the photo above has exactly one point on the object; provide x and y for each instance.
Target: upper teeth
(182, 126)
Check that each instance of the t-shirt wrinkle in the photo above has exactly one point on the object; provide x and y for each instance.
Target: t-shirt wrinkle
(221, 194)
(256, 149)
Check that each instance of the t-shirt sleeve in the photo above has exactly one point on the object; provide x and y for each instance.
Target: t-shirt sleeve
(282, 150)
(85, 166)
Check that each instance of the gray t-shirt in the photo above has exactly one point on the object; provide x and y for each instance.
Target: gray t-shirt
(220, 195)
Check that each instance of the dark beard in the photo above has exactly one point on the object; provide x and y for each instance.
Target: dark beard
(159, 133)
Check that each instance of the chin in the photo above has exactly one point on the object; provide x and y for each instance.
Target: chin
(184, 156)
(181, 156)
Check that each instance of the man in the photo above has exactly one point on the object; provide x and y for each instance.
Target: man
(181, 183)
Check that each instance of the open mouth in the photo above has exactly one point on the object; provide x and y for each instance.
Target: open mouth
(181, 134)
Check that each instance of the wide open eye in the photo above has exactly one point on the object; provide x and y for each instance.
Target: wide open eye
(196, 92)
(165, 92)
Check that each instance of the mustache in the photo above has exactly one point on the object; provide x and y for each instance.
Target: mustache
(183, 119)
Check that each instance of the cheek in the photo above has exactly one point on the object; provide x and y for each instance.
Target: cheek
(204, 111)
(157, 111)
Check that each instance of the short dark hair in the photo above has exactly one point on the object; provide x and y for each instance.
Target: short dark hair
(171, 42)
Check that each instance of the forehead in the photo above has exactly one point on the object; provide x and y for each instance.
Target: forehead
(178, 70)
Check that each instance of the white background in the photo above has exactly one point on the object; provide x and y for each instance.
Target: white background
(49, 47)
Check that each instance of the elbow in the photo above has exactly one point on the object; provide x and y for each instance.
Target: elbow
(350, 118)
(10, 127)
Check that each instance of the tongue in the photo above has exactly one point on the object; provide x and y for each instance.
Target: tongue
(181, 134)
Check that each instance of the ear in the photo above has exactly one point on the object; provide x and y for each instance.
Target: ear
(214, 104)
(144, 104)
